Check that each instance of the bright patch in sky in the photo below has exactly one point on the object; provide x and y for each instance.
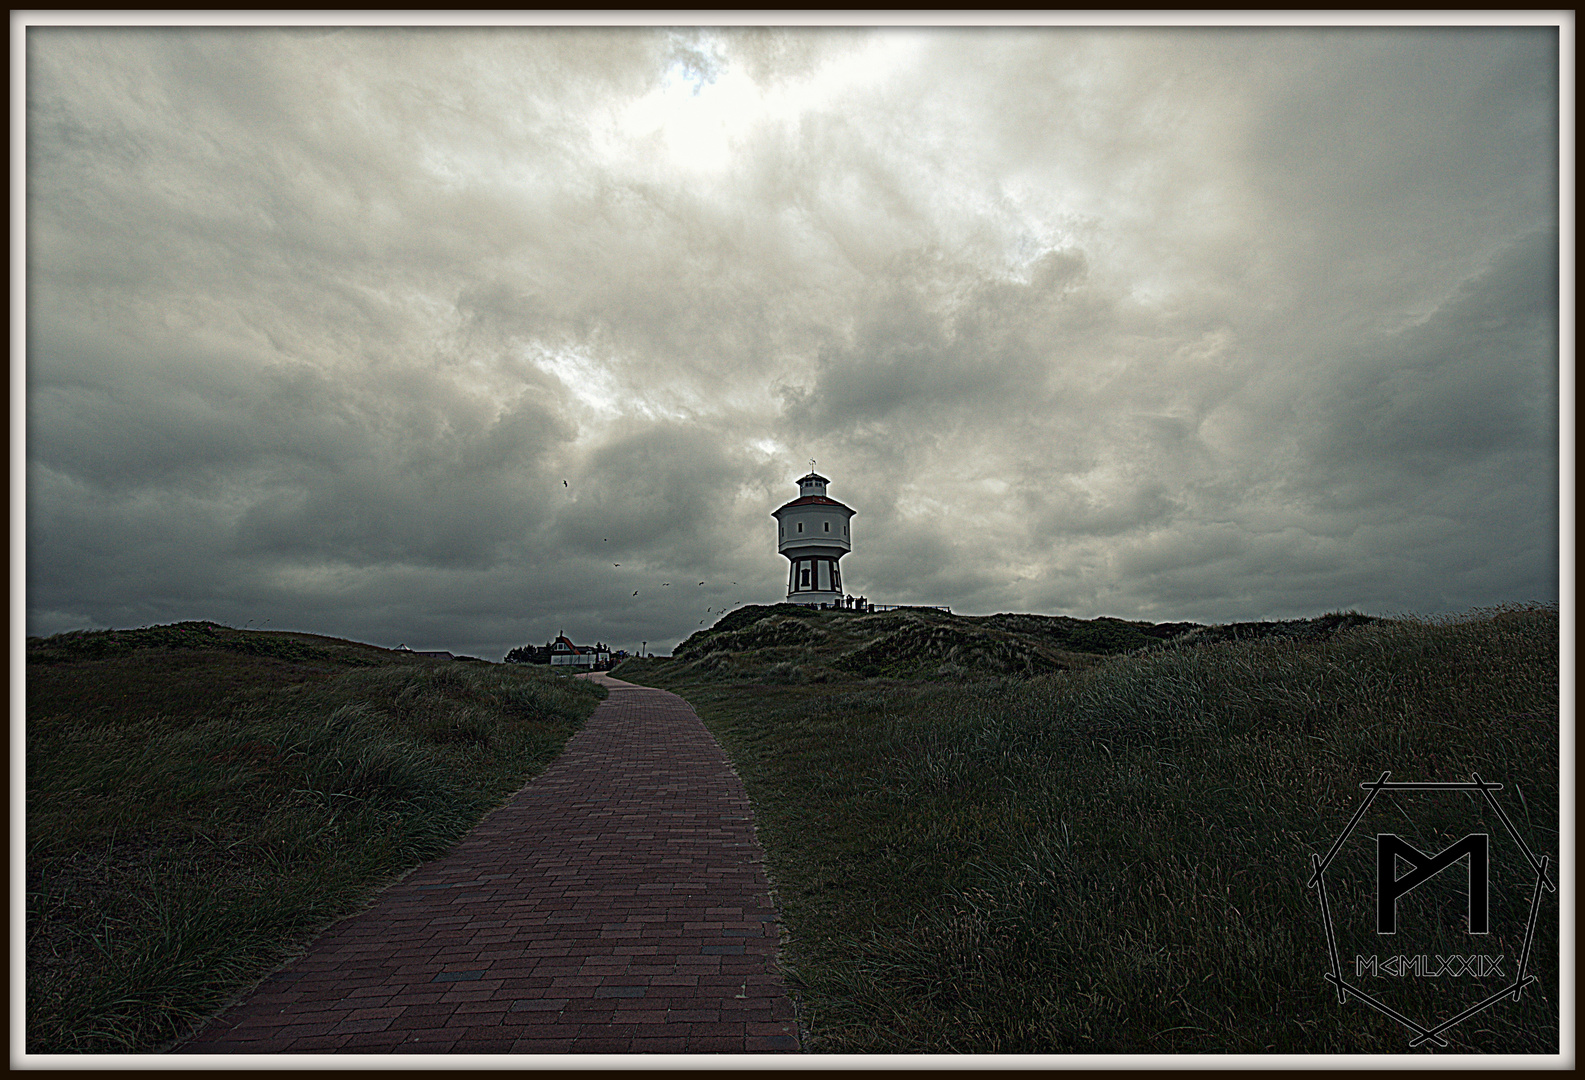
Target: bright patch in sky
(695, 116)
(586, 378)
(701, 117)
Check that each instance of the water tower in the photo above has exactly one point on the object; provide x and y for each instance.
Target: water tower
(812, 531)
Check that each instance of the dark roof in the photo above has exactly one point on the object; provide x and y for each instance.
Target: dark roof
(813, 500)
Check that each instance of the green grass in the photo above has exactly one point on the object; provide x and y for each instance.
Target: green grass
(1114, 859)
(201, 801)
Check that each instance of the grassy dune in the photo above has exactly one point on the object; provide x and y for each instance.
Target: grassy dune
(788, 643)
(202, 800)
(1114, 857)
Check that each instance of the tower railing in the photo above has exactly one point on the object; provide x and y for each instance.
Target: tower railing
(860, 606)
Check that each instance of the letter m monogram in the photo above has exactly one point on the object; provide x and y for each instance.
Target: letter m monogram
(1389, 886)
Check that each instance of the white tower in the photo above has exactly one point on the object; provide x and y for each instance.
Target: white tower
(812, 531)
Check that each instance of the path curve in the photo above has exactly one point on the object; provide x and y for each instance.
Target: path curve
(617, 904)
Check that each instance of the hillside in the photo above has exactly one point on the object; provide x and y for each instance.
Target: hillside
(1115, 859)
(789, 643)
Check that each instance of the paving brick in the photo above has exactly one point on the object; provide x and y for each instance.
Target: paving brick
(265, 1046)
(556, 1044)
(694, 1016)
(372, 1042)
(409, 999)
(306, 1031)
(432, 1043)
(616, 904)
(412, 1020)
(353, 1027)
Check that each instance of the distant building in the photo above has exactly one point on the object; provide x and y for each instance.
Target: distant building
(434, 655)
(563, 653)
(812, 531)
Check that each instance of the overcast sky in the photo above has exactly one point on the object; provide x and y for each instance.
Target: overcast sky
(411, 335)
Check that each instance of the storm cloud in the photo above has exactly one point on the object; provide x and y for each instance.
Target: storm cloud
(463, 337)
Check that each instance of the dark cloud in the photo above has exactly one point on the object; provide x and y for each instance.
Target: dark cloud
(1193, 323)
(1476, 377)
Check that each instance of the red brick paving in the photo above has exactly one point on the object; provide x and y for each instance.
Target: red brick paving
(615, 905)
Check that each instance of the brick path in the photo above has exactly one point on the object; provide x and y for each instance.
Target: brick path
(615, 905)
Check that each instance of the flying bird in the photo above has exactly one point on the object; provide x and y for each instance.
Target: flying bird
(616, 564)
(635, 592)
(701, 583)
(564, 483)
(665, 583)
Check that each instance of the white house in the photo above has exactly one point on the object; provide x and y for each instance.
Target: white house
(563, 653)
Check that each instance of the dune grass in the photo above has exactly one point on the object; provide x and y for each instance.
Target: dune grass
(201, 801)
(1114, 859)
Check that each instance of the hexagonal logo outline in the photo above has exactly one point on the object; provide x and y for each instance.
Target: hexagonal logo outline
(1543, 884)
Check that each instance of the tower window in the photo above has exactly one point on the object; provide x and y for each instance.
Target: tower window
(828, 526)
(800, 526)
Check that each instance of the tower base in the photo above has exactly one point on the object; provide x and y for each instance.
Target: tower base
(812, 598)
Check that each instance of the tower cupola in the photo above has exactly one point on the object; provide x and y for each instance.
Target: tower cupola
(813, 484)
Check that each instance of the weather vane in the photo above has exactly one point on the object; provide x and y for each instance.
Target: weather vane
(811, 464)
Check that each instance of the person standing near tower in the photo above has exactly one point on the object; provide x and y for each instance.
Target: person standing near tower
(813, 532)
